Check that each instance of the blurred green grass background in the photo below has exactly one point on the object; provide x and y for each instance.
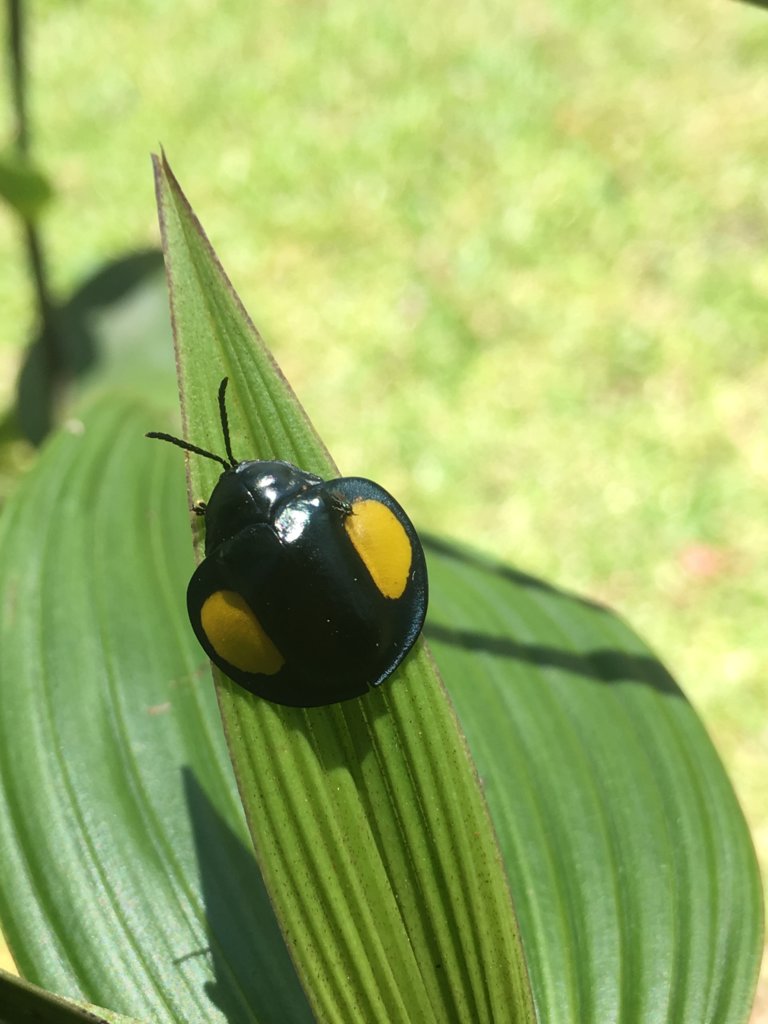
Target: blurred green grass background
(512, 258)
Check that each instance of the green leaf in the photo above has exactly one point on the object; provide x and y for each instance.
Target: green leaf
(124, 858)
(367, 817)
(22, 1003)
(634, 875)
(24, 187)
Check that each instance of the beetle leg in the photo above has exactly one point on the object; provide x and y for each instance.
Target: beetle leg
(340, 505)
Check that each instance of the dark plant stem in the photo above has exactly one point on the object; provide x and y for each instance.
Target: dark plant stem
(45, 307)
(32, 237)
(16, 65)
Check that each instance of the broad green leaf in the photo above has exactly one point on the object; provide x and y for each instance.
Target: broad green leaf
(22, 1003)
(367, 817)
(124, 858)
(633, 872)
(24, 187)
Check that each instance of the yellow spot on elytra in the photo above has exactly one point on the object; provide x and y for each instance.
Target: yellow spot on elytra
(236, 634)
(382, 543)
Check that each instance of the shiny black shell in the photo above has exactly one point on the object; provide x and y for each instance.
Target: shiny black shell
(280, 539)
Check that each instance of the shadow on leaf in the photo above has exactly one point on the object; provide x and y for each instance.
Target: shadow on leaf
(254, 976)
(84, 328)
(607, 665)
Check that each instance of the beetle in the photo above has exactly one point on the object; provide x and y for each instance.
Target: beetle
(311, 591)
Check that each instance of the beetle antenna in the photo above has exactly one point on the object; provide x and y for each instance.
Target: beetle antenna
(225, 421)
(188, 447)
